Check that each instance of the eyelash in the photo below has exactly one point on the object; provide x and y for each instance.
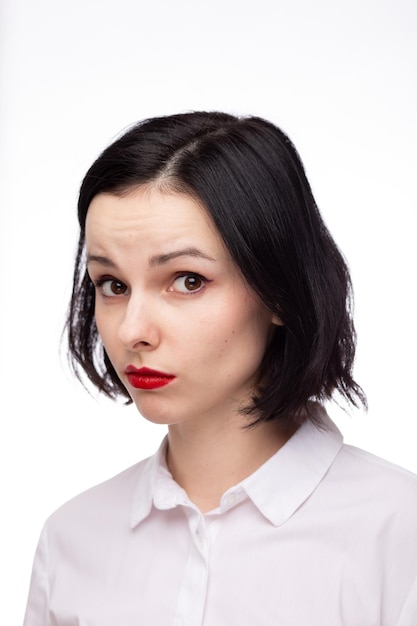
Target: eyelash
(193, 276)
(99, 284)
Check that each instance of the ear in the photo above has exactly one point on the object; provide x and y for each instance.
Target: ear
(277, 321)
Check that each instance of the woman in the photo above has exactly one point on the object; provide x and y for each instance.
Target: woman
(209, 292)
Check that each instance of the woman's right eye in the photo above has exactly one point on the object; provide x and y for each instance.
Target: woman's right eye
(110, 287)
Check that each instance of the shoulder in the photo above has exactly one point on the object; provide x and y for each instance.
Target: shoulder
(361, 463)
(374, 482)
(107, 503)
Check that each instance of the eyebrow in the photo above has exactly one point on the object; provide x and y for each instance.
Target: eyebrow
(154, 261)
(161, 259)
(102, 260)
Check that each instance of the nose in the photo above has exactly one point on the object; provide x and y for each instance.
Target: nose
(138, 329)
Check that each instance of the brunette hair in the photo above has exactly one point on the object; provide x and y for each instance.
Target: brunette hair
(251, 180)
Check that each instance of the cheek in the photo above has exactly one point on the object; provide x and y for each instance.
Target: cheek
(238, 337)
(100, 322)
(106, 327)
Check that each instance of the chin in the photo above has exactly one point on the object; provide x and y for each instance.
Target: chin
(156, 415)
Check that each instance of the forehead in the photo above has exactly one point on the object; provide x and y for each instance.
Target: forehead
(150, 215)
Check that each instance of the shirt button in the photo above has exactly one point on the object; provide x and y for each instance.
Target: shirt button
(232, 498)
(201, 541)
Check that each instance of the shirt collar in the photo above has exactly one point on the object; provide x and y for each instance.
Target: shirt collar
(155, 487)
(145, 485)
(278, 488)
(281, 485)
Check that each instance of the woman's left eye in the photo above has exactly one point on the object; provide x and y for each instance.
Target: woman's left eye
(188, 283)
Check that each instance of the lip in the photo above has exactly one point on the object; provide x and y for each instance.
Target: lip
(146, 378)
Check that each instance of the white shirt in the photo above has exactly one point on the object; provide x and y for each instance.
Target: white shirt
(323, 534)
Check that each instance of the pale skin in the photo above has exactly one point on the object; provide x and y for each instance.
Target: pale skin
(170, 298)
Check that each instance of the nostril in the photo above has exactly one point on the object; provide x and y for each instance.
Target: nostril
(138, 329)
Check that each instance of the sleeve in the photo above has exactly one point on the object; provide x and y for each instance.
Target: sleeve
(37, 608)
(408, 616)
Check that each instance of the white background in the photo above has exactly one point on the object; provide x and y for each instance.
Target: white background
(338, 77)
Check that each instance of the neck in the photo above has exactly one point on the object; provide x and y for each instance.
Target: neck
(207, 461)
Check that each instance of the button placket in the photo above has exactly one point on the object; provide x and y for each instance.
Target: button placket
(201, 537)
(192, 595)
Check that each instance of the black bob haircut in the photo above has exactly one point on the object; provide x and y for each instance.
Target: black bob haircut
(250, 178)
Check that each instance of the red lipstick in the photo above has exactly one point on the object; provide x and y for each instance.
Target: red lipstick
(145, 378)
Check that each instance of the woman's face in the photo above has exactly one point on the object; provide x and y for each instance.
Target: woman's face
(170, 299)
